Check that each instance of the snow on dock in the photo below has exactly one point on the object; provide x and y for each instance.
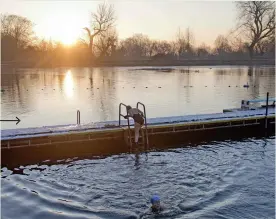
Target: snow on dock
(110, 125)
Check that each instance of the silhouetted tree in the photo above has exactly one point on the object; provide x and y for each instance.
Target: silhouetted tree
(222, 45)
(237, 45)
(180, 43)
(184, 42)
(163, 48)
(101, 21)
(256, 21)
(17, 27)
(266, 46)
(136, 46)
(189, 38)
(16, 33)
(105, 44)
(203, 50)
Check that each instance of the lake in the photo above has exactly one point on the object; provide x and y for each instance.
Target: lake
(47, 97)
(219, 179)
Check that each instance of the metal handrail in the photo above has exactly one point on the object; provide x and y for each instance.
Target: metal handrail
(266, 109)
(78, 117)
(145, 117)
(120, 114)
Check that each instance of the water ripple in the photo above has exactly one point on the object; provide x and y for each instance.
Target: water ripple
(229, 179)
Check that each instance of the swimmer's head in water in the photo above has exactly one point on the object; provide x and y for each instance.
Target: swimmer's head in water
(128, 107)
(155, 199)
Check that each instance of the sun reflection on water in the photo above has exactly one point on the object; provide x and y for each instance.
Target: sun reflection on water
(68, 84)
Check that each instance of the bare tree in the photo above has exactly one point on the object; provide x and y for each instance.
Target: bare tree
(138, 45)
(163, 48)
(105, 44)
(102, 20)
(203, 50)
(184, 42)
(18, 28)
(237, 44)
(222, 45)
(257, 21)
(266, 46)
(189, 38)
(180, 42)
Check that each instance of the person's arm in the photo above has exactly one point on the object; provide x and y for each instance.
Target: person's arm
(140, 112)
(130, 114)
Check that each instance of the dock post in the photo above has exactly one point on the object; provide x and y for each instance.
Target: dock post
(266, 109)
(78, 117)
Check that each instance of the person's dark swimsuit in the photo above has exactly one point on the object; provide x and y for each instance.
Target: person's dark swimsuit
(138, 118)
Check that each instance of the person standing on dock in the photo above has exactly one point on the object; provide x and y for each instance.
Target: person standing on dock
(138, 118)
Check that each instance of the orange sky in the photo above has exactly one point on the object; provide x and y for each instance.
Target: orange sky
(64, 20)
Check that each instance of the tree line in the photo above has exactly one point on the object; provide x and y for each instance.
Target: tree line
(252, 37)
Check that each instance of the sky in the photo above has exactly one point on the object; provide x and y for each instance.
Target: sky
(159, 19)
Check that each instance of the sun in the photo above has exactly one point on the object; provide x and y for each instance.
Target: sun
(63, 27)
(68, 37)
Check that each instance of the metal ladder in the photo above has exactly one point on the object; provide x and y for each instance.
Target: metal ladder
(145, 140)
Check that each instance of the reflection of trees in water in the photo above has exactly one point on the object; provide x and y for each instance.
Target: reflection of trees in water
(60, 75)
(261, 81)
(91, 77)
(250, 71)
(221, 71)
(104, 79)
(19, 90)
(253, 82)
(236, 71)
(186, 79)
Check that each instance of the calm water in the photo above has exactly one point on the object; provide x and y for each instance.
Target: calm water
(41, 97)
(229, 179)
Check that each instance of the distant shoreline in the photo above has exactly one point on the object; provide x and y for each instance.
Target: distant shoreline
(137, 63)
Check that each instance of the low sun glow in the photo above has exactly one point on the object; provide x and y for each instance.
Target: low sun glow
(63, 27)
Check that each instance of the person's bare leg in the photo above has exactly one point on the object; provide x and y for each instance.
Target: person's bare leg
(137, 127)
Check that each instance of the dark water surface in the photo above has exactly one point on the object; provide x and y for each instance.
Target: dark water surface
(47, 97)
(226, 179)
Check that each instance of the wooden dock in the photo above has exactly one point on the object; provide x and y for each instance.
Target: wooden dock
(26, 148)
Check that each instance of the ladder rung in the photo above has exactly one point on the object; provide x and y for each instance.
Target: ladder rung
(132, 137)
